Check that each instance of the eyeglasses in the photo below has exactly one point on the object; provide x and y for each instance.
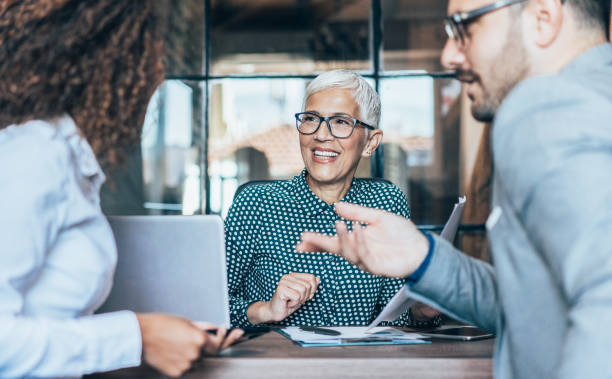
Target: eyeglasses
(338, 126)
(456, 24)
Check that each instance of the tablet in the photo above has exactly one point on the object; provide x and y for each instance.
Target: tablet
(462, 333)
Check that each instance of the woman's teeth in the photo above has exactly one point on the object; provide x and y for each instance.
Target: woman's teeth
(325, 153)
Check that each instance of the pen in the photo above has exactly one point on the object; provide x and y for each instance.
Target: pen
(317, 330)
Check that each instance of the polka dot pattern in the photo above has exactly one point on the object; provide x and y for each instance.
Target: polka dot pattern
(262, 228)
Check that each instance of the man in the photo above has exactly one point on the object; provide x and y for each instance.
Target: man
(544, 69)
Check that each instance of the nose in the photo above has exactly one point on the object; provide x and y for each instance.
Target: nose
(323, 133)
(452, 56)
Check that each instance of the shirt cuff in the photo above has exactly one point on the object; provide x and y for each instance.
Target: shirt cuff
(116, 341)
(238, 313)
(420, 271)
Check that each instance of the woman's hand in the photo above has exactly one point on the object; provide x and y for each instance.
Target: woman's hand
(292, 291)
(171, 344)
(423, 312)
(220, 340)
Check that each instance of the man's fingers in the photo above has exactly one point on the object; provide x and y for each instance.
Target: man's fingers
(358, 213)
(361, 246)
(347, 243)
(315, 242)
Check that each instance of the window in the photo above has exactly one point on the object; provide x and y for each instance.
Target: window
(289, 37)
(237, 72)
(252, 134)
(170, 148)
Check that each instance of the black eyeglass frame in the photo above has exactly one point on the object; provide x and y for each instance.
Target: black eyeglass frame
(455, 25)
(326, 119)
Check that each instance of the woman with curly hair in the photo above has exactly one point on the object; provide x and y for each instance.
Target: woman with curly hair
(75, 79)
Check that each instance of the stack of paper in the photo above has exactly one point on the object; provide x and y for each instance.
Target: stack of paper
(351, 336)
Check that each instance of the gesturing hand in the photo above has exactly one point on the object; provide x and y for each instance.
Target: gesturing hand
(390, 245)
(292, 292)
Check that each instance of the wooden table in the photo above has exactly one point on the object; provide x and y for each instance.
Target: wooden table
(274, 356)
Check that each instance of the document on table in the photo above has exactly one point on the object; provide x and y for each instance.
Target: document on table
(351, 336)
(400, 302)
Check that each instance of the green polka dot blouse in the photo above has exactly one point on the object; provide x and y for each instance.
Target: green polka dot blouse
(264, 225)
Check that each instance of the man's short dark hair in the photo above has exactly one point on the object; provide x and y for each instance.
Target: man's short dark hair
(592, 13)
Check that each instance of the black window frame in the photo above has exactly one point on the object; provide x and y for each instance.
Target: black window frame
(377, 74)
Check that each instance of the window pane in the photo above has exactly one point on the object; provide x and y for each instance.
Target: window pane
(184, 39)
(250, 37)
(420, 119)
(413, 37)
(252, 134)
(171, 148)
(408, 117)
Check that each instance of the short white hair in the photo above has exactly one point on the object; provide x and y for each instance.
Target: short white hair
(364, 95)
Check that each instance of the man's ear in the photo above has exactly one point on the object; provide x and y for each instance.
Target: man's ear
(545, 18)
(374, 139)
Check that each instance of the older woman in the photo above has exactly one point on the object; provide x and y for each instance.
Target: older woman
(269, 281)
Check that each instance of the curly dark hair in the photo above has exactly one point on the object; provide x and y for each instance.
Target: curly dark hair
(97, 60)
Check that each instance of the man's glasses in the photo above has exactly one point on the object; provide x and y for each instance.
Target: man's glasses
(338, 126)
(456, 24)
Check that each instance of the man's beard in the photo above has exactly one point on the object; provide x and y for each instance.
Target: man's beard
(484, 106)
(484, 110)
(507, 70)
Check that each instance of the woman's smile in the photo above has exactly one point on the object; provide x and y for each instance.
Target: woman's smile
(324, 156)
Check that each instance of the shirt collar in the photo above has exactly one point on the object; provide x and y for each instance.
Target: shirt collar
(590, 58)
(311, 204)
(85, 159)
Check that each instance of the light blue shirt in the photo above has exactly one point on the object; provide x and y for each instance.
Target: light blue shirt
(548, 297)
(57, 258)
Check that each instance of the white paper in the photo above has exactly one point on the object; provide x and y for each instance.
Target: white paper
(350, 333)
(450, 229)
(398, 304)
(401, 301)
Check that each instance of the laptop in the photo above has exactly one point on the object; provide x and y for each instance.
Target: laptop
(170, 264)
